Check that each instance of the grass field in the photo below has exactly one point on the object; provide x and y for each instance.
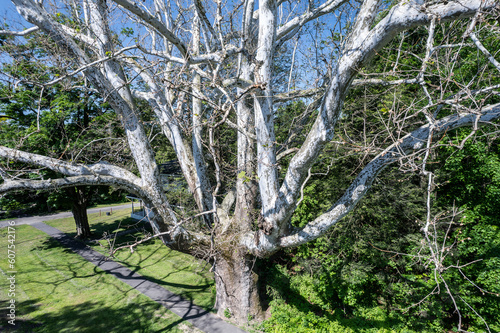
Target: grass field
(58, 291)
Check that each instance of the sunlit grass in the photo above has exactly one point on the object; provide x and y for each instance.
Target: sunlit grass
(175, 271)
(58, 291)
(99, 222)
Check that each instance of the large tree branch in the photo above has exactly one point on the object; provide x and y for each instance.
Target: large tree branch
(170, 127)
(216, 57)
(202, 13)
(401, 17)
(156, 24)
(288, 30)
(305, 93)
(260, 244)
(263, 106)
(363, 182)
(364, 20)
(53, 184)
(70, 169)
(180, 238)
(381, 82)
(35, 14)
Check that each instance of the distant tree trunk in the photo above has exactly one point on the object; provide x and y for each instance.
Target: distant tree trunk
(79, 210)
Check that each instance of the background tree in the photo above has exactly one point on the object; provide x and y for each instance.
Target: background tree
(55, 122)
(210, 68)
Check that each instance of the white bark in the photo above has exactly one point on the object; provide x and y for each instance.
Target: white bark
(155, 23)
(289, 29)
(363, 181)
(401, 17)
(107, 75)
(19, 33)
(263, 104)
(201, 183)
(184, 56)
(54, 184)
(356, 191)
(245, 182)
(481, 47)
(70, 169)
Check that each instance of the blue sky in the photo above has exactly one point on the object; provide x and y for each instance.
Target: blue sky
(8, 12)
(4, 3)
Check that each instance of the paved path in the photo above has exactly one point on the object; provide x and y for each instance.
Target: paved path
(199, 317)
(42, 218)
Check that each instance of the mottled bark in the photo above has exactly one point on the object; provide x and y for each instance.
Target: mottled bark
(79, 201)
(236, 285)
(208, 72)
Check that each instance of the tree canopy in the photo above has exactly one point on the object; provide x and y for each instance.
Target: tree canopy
(255, 99)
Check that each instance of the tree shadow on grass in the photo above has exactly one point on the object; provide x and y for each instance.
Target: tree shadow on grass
(92, 317)
(69, 245)
(21, 324)
(51, 244)
(109, 228)
(123, 224)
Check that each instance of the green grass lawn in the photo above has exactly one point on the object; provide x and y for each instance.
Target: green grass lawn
(99, 222)
(175, 271)
(106, 205)
(106, 208)
(58, 291)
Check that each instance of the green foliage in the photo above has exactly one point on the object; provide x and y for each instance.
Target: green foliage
(308, 209)
(372, 264)
(473, 185)
(55, 122)
(127, 31)
(355, 275)
(344, 281)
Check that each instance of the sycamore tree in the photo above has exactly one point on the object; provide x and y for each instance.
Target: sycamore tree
(215, 73)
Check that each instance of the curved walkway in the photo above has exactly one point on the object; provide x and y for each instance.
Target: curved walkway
(199, 317)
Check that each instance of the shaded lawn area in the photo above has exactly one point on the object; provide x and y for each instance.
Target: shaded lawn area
(58, 291)
(178, 272)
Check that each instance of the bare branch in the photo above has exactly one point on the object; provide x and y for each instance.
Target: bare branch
(481, 47)
(401, 17)
(156, 24)
(19, 33)
(362, 183)
(284, 97)
(52, 184)
(288, 30)
(69, 169)
(93, 63)
(381, 82)
(203, 15)
(79, 36)
(161, 234)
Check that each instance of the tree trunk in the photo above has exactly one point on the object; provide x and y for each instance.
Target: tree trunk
(237, 291)
(79, 210)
